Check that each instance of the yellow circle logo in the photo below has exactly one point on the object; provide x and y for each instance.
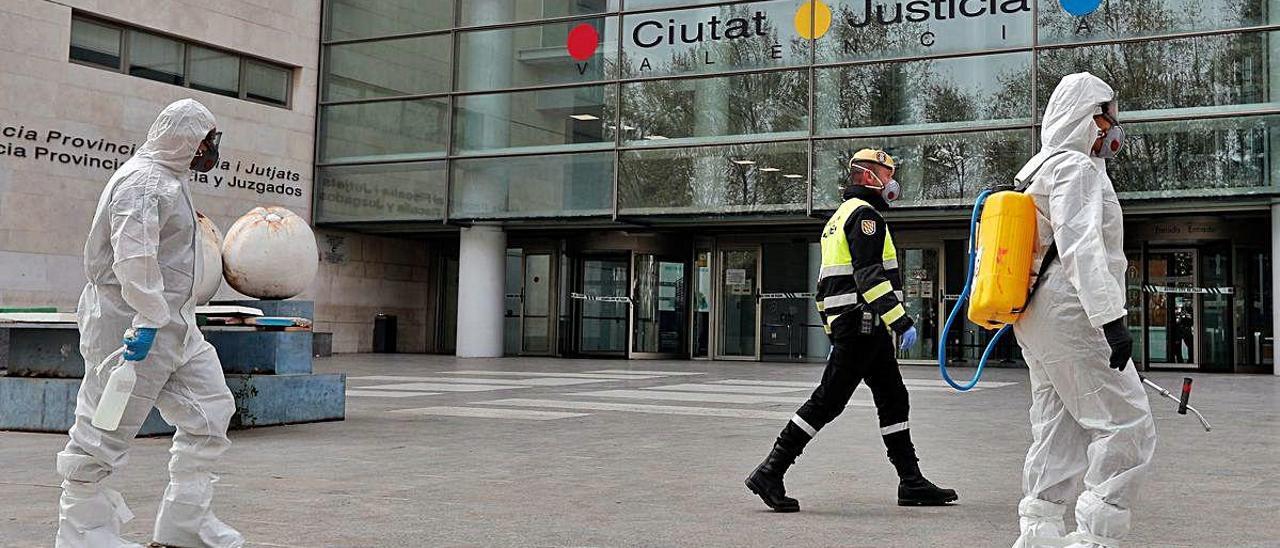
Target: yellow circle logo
(813, 19)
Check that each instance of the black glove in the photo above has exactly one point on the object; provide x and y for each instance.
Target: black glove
(1121, 343)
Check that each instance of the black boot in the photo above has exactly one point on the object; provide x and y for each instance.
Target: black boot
(766, 480)
(915, 490)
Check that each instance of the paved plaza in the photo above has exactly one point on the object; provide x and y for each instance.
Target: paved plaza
(437, 451)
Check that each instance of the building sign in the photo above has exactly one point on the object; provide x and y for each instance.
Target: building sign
(1195, 228)
(53, 146)
(713, 39)
(238, 177)
(781, 33)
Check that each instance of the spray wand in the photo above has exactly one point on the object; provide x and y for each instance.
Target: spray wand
(1183, 406)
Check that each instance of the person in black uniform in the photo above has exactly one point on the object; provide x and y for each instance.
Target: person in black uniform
(860, 300)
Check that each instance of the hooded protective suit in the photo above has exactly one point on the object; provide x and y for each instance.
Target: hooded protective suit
(141, 261)
(1088, 421)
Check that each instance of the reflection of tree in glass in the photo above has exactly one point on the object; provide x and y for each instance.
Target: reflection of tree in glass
(669, 178)
(1134, 18)
(872, 41)
(754, 104)
(873, 92)
(1203, 72)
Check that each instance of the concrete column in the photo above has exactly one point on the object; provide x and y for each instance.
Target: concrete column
(481, 286)
(1275, 282)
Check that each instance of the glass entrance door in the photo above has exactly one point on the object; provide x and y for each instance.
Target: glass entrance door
(922, 291)
(739, 313)
(528, 328)
(1254, 343)
(658, 304)
(785, 301)
(536, 334)
(1173, 318)
(602, 304)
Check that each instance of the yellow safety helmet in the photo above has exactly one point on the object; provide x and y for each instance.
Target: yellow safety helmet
(875, 156)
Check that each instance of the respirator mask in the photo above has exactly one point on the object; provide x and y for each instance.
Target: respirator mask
(890, 191)
(1112, 140)
(207, 156)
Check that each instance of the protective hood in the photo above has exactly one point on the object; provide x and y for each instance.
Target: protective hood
(175, 136)
(1068, 120)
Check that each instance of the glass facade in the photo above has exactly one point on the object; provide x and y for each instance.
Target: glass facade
(656, 109)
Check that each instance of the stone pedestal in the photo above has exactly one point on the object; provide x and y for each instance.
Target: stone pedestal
(268, 371)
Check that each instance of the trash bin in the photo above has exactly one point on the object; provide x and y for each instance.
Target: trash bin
(384, 334)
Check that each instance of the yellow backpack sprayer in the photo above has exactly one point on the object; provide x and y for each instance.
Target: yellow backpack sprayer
(998, 283)
(1002, 241)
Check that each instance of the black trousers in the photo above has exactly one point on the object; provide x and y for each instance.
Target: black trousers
(858, 359)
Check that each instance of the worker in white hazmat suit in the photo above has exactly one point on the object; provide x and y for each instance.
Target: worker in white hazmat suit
(1090, 419)
(141, 262)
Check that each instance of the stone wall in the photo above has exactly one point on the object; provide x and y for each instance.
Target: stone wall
(362, 276)
(46, 206)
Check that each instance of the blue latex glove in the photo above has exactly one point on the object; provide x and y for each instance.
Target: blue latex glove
(137, 343)
(908, 339)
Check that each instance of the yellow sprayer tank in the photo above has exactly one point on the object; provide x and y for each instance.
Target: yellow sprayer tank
(1002, 275)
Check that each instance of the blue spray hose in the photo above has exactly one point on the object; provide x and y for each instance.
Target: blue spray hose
(960, 305)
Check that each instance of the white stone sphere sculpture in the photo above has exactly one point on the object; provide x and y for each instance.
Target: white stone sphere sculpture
(270, 253)
(209, 279)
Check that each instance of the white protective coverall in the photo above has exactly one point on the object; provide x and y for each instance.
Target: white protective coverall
(1088, 421)
(141, 260)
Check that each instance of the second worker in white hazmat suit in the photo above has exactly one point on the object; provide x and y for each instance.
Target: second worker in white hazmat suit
(1090, 419)
(141, 262)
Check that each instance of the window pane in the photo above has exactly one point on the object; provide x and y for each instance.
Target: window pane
(713, 39)
(505, 11)
(533, 186)
(866, 29)
(1202, 73)
(927, 95)
(94, 43)
(390, 130)
(537, 55)
(543, 121)
(155, 57)
(215, 71)
(367, 18)
(933, 169)
(704, 110)
(745, 178)
(1196, 158)
(266, 83)
(385, 68)
(1150, 18)
(396, 192)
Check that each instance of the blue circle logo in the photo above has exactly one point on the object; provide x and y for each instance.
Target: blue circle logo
(1080, 8)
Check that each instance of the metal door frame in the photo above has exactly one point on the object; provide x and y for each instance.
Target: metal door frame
(712, 300)
(1196, 309)
(718, 272)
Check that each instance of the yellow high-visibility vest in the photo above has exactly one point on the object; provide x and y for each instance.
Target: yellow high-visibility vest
(836, 276)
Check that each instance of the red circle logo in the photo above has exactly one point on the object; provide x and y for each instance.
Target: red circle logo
(583, 42)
